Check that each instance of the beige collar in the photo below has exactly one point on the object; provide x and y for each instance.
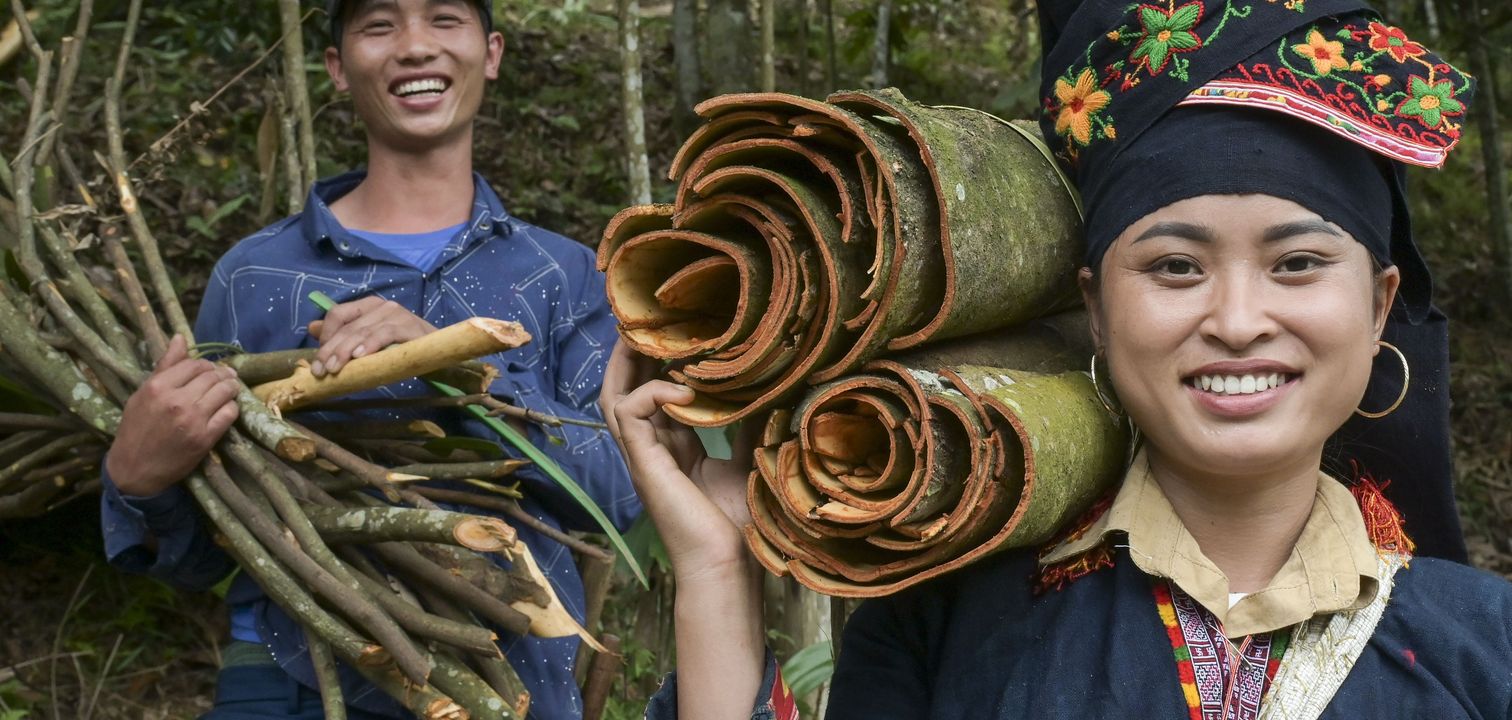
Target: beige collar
(1332, 567)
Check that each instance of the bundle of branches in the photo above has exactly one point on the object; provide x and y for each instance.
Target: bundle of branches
(809, 237)
(933, 459)
(363, 558)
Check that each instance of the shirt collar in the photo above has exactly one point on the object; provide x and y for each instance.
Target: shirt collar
(320, 226)
(1331, 568)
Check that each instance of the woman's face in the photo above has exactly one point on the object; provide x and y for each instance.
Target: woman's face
(1239, 331)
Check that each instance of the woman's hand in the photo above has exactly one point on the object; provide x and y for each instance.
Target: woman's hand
(697, 503)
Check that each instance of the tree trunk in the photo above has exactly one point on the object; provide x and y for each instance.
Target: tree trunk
(881, 49)
(1486, 115)
(685, 56)
(637, 166)
(298, 91)
(729, 46)
(803, 47)
(768, 46)
(1430, 11)
(830, 74)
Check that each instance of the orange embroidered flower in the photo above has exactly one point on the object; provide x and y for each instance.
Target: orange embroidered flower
(1381, 80)
(1109, 133)
(1393, 41)
(1326, 55)
(1079, 101)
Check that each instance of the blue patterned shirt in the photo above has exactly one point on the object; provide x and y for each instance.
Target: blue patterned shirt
(497, 266)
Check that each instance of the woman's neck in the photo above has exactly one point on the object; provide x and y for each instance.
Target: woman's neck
(1247, 525)
(411, 192)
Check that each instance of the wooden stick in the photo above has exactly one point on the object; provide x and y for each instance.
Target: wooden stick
(354, 605)
(466, 340)
(378, 430)
(408, 561)
(474, 532)
(488, 469)
(376, 477)
(601, 675)
(325, 676)
(465, 635)
(517, 513)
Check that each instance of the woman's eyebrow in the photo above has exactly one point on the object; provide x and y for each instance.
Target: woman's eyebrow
(1301, 227)
(1187, 231)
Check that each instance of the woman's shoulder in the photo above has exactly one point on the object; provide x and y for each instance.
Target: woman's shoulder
(1433, 598)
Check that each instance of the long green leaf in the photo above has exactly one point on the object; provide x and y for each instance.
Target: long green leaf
(546, 464)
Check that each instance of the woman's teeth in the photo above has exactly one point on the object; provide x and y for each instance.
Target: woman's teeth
(415, 87)
(1239, 384)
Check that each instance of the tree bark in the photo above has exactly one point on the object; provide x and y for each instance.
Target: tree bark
(637, 166)
(463, 341)
(729, 46)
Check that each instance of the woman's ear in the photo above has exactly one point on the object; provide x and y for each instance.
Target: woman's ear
(1386, 284)
(1093, 300)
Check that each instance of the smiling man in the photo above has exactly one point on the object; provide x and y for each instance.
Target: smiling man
(414, 242)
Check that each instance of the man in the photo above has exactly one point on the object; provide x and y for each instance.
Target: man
(415, 242)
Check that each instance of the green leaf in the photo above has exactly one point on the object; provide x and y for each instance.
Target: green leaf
(532, 453)
(445, 446)
(225, 210)
(809, 668)
(1153, 20)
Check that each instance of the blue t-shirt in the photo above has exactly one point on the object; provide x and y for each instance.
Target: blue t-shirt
(418, 250)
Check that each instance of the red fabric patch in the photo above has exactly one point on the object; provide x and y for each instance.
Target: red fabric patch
(784, 705)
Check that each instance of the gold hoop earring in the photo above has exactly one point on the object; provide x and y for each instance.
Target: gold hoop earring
(1406, 382)
(1113, 408)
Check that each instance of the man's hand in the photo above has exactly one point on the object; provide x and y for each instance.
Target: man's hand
(171, 422)
(362, 327)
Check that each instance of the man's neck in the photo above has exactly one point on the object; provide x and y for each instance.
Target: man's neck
(408, 192)
(1247, 526)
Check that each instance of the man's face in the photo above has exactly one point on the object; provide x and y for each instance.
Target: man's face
(416, 69)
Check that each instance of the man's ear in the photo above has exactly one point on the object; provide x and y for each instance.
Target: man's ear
(495, 55)
(1093, 300)
(333, 67)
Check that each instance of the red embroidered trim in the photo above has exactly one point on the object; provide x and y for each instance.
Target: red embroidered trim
(1410, 149)
(784, 705)
(1058, 575)
(1184, 670)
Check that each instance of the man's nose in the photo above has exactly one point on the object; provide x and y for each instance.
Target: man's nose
(1241, 310)
(417, 43)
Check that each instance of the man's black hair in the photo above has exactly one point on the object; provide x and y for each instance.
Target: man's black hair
(336, 10)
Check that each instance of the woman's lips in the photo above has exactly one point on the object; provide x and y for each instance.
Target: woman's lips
(1237, 396)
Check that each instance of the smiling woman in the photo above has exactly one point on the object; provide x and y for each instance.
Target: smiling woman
(1246, 252)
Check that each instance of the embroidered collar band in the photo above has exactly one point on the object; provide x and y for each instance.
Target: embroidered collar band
(1315, 101)
(1333, 567)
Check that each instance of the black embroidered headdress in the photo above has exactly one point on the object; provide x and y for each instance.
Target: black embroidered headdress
(1150, 103)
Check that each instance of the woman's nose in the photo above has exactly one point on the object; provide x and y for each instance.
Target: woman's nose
(1241, 311)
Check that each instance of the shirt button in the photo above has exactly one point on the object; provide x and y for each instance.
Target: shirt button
(346, 245)
(483, 227)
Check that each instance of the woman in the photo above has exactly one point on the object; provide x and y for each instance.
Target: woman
(1241, 270)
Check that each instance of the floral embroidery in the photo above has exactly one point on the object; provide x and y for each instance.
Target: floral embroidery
(1165, 33)
(1430, 102)
(1079, 103)
(1326, 55)
(1393, 41)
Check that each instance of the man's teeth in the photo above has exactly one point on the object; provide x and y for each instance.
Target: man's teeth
(1239, 384)
(415, 87)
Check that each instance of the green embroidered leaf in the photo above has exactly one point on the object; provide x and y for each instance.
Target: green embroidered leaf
(1155, 53)
(1153, 20)
(1184, 41)
(1186, 16)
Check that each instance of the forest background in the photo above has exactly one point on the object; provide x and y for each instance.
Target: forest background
(79, 640)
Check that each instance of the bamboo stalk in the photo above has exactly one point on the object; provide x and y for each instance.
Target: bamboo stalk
(466, 340)
(378, 524)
